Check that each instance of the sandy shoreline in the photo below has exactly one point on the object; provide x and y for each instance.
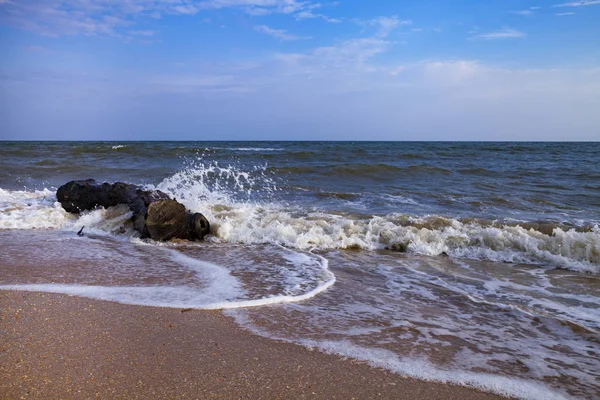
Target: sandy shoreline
(57, 346)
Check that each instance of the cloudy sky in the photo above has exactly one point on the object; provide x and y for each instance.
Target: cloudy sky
(294, 69)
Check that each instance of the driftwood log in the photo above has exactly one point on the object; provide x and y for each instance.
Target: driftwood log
(155, 214)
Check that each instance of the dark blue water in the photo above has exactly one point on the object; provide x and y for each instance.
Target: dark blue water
(558, 182)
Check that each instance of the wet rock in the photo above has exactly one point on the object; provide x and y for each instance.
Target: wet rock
(168, 219)
(155, 214)
(200, 225)
(77, 196)
(398, 246)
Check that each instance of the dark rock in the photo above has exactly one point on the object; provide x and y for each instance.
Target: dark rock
(199, 225)
(77, 196)
(398, 246)
(155, 215)
(167, 219)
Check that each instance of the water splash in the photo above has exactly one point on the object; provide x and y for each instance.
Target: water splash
(202, 184)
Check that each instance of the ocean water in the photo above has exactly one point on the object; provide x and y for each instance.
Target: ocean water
(471, 263)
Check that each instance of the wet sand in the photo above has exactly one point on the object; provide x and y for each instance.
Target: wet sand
(57, 346)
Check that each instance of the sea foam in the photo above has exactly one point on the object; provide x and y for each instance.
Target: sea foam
(307, 276)
(417, 368)
(243, 208)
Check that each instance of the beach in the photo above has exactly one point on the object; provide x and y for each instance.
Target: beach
(344, 269)
(58, 346)
(289, 199)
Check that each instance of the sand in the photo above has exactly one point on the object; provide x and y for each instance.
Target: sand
(60, 347)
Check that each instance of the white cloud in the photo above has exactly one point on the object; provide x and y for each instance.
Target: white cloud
(501, 34)
(285, 6)
(300, 9)
(112, 17)
(311, 96)
(523, 12)
(450, 72)
(310, 15)
(580, 3)
(397, 70)
(352, 89)
(87, 17)
(280, 34)
(342, 91)
(385, 25)
(351, 52)
(564, 14)
(185, 9)
(146, 33)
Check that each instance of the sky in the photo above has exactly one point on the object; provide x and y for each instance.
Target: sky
(300, 70)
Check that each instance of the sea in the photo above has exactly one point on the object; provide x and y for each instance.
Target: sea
(474, 264)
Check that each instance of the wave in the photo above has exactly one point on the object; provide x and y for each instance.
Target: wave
(367, 170)
(31, 210)
(99, 149)
(414, 156)
(566, 249)
(478, 171)
(414, 367)
(339, 196)
(221, 289)
(243, 208)
(44, 163)
(256, 149)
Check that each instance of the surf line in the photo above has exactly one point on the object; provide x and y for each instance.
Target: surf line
(217, 277)
(279, 299)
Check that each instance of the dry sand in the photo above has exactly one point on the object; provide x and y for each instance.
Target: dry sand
(61, 347)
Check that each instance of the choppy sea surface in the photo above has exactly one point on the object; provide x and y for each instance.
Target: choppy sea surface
(469, 263)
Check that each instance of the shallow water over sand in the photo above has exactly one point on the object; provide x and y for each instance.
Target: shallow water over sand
(514, 329)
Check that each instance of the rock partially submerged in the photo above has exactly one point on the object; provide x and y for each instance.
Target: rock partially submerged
(155, 214)
(168, 219)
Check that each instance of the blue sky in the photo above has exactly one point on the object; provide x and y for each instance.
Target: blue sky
(293, 69)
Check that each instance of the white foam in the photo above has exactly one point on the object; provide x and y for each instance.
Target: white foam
(573, 250)
(220, 291)
(252, 149)
(418, 368)
(424, 370)
(398, 199)
(415, 313)
(105, 220)
(239, 204)
(202, 185)
(255, 149)
(119, 146)
(215, 191)
(160, 296)
(283, 299)
(531, 299)
(31, 210)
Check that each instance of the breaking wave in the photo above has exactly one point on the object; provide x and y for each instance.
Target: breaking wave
(243, 207)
